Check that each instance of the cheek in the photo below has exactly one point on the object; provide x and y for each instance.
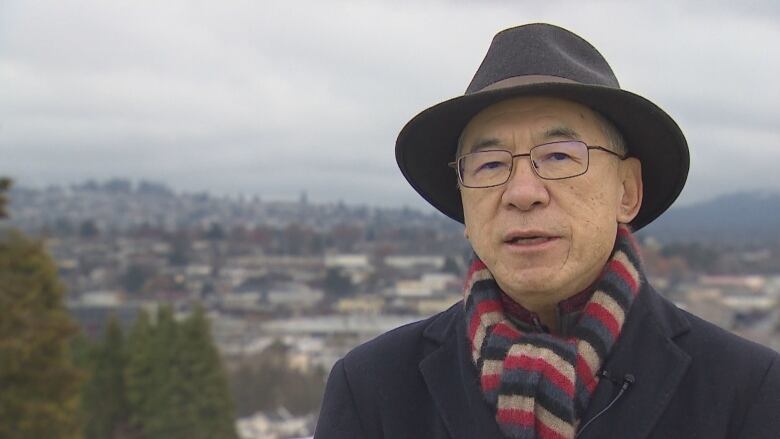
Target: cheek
(591, 202)
(593, 218)
(479, 209)
(479, 214)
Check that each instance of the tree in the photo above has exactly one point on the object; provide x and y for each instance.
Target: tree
(159, 400)
(176, 386)
(180, 250)
(138, 373)
(39, 383)
(88, 229)
(267, 383)
(215, 232)
(336, 283)
(209, 402)
(104, 402)
(5, 185)
(451, 266)
(135, 277)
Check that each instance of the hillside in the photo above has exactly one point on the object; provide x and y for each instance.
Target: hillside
(746, 217)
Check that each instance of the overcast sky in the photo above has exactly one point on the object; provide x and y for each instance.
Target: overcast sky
(277, 97)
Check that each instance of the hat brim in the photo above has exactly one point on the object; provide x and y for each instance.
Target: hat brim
(428, 143)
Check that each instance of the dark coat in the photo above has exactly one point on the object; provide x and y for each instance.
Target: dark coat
(692, 380)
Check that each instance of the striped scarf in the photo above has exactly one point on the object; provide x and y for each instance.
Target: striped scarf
(540, 384)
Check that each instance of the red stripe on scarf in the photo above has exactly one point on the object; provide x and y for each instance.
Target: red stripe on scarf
(521, 418)
(586, 376)
(507, 331)
(484, 307)
(490, 382)
(476, 265)
(620, 269)
(625, 233)
(546, 432)
(540, 365)
(597, 311)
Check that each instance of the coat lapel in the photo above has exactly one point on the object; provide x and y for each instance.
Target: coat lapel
(452, 382)
(647, 351)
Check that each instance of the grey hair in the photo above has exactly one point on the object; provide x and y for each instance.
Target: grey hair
(614, 138)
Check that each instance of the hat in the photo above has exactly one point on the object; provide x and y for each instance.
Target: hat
(544, 60)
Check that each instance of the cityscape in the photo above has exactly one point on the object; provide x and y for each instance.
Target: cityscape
(306, 281)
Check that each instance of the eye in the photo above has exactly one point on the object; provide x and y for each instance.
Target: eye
(557, 157)
(486, 163)
(491, 165)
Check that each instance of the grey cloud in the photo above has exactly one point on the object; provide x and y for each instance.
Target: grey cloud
(201, 94)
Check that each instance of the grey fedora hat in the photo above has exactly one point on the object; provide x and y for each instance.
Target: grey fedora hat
(544, 60)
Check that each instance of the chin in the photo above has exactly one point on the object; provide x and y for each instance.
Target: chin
(530, 280)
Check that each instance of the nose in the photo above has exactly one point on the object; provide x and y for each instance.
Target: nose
(524, 190)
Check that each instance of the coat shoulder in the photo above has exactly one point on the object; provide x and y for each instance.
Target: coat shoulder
(404, 347)
(377, 389)
(732, 384)
(711, 341)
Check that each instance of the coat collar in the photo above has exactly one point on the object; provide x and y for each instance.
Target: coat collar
(646, 349)
(452, 380)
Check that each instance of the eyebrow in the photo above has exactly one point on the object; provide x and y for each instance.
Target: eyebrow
(489, 142)
(561, 131)
(555, 131)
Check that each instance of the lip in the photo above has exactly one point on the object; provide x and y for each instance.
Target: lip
(526, 234)
(534, 239)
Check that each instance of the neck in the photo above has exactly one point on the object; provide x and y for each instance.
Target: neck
(549, 316)
(552, 317)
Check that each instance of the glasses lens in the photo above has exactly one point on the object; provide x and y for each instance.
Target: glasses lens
(560, 159)
(485, 168)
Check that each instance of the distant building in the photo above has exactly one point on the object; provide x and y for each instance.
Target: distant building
(407, 262)
(294, 295)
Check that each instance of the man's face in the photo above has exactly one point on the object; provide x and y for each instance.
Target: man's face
(545, 240)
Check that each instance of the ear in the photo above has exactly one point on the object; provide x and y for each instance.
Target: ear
(631, 190)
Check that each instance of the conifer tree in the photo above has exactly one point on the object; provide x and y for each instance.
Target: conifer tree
(39, 385)
(5, 185)
(166, 415)
(105, 405)
(139, 383)
(210, 403)
(176, 386)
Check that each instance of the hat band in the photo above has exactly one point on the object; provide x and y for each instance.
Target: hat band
(514, 81)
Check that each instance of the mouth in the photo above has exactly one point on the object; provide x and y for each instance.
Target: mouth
(529, 241)
(529, 238)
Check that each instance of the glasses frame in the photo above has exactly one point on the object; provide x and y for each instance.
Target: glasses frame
(457, 167)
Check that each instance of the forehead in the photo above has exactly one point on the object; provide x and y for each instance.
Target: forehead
(535, 115)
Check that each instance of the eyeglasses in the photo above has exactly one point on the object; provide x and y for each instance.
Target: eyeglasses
(551, 161)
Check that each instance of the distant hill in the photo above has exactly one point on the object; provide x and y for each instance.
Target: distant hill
(744, 217)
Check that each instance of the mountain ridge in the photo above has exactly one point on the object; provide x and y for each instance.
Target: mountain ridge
(745, 217)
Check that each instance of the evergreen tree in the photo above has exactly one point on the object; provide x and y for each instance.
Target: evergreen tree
(337, 284)
(451, 266)
(209, 403)
(176, 386)
(5, 185)
(165, 415)
(39, 385)
(104, 402)
(139, 384)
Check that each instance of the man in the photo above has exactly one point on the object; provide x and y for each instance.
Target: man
(559, 335)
